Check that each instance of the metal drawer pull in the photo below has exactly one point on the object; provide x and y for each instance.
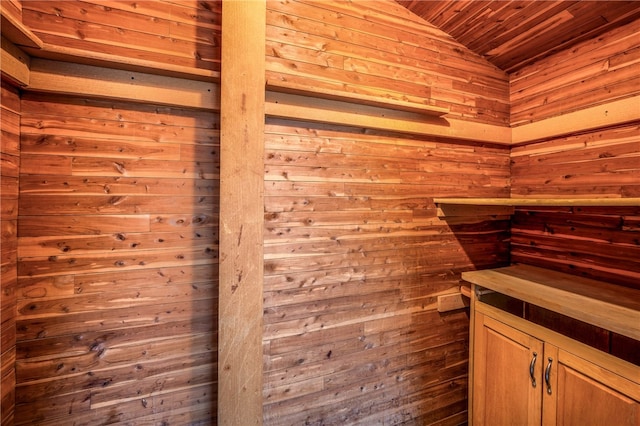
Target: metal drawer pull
(547, 376)
(531, 369)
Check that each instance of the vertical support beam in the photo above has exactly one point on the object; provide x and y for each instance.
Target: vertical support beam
(241, 212)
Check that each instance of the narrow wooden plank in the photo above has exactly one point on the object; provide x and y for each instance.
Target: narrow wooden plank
(115, 205)
(9, 184)
(104, 111)
(60, 77)
(241, 213)
(101, 185)
(451, 302)
(39, 225)
(610, 114)
(76, 324)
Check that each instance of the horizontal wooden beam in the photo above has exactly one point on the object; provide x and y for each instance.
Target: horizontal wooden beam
(14, 63)
(87, 80)
(292, 106)
(605, 115)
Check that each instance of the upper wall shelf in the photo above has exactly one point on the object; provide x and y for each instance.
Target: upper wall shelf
(506, 206)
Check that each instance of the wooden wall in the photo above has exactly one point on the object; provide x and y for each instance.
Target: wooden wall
(354, 260)
(117, 279)
(354, 254)
(594, 72)
(117, 275)
(116, 307)
(9, 170)
(181, 37)
(379, 50)
(596, 242)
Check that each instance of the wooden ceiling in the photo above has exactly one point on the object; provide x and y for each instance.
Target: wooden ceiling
(513, 34)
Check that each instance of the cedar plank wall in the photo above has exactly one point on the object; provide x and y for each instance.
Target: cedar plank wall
(118, 230)
(378, 48)
(117, 263)
(181, 36)
(353, 247)
(9, 169)
(596, 242)
(354, 254)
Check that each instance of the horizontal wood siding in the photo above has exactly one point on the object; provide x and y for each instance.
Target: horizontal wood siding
(181, 36)
(9, 172)
(595, 242)
(117, 275)
(354, 260)
(592, 241)
(379, 49)
(594, 72)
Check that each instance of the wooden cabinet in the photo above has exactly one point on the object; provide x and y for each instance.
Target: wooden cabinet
(503, 391)
(587, 393)
(525, 374)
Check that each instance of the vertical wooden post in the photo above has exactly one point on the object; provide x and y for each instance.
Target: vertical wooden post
(241, 212)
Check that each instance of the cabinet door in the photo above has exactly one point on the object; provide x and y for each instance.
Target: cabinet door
(504, 392)
(590, 395)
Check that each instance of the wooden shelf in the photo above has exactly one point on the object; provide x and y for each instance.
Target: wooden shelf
(605, 305)
(340, 95)
(16, 32)
(506, 206)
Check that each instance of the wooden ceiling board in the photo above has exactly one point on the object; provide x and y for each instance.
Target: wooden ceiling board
(513, 34)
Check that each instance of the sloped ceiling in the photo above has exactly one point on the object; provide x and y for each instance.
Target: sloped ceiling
(513, 34)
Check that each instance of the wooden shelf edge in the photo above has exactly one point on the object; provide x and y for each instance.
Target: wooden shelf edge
(602, 304)
(103, 60)
(458, 207)
(357, 98)
(16, 32)
(86, 80)
(342, 112)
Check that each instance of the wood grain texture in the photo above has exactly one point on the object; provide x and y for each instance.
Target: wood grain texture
(514, 34)
(117, 279)
(9, 183)
(355, 259)
(594, 72)
(181, 38)
(596, 242)
(241, 213)
(379, 50)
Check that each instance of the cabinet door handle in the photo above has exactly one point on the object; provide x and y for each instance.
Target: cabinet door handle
(531, 369)
(547, 376)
